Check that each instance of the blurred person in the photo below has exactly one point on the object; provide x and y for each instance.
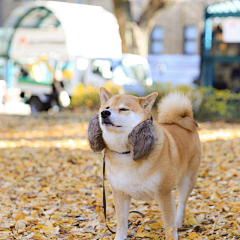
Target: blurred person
(235, 80)
(59, 97)
(217, 33)
(23, 72)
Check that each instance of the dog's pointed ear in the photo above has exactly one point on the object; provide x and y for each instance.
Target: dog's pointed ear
(148, 101)
(142, 140)
(94, 135)
(104, 95)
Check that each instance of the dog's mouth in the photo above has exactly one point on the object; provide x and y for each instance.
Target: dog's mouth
(108, 123)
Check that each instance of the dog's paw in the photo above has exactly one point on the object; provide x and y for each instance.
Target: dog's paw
(120, 237)
(171, 233)
(179, 223)
(173, 236)
(94, 135)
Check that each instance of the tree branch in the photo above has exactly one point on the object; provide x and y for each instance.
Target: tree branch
(124, 16)
(150, 14)
(123, 6)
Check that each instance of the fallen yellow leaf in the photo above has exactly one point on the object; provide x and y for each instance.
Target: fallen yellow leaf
(220, 205)
(139, 230)
(20, 215)
(155, 226)
(192, 235)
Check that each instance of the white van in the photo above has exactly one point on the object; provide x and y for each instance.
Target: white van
(132, 72)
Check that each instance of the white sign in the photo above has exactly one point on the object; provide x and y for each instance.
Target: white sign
(34, 42)
(231, 30)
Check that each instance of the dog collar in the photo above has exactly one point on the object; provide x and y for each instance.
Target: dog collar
(124, 152)
(127, 152)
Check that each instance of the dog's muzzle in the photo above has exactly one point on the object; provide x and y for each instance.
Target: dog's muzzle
(106, 119)
(105, 113)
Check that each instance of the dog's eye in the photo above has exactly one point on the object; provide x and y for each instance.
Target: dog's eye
(124, 109)
(107, 107)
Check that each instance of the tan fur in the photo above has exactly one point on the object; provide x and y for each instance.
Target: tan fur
(173, 162)
(179, 113)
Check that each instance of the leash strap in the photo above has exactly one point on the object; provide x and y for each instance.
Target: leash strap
(104, 198)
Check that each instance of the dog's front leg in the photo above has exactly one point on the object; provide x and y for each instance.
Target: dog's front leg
(122, 204)
(167, 206)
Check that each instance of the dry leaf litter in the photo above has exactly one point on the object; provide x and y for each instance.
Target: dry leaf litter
(51, 185)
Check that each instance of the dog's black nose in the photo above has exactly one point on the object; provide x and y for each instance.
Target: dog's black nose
(105, 113)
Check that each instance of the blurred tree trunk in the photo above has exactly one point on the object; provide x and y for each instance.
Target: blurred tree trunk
(135, 35)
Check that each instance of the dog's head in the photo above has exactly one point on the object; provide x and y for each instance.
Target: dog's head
(125, 118)
(122, 113)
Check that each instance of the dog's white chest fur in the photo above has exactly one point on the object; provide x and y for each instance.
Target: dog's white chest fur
(116, 142)
(132, 178)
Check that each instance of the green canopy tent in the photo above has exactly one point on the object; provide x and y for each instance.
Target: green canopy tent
(59, 30)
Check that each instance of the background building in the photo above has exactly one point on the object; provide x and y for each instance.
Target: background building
(178, 29)
(175, 42)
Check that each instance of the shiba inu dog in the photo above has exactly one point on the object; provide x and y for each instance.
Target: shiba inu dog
(145, 159)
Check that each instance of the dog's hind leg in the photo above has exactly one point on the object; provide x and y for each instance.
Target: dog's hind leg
(122, 204)
(185, 187)
(167, 206)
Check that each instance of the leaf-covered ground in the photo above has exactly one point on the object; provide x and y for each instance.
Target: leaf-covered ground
(51, 184)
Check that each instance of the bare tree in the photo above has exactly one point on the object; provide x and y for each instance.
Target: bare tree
(135, 35)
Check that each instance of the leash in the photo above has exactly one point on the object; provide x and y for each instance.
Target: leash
(104, 197)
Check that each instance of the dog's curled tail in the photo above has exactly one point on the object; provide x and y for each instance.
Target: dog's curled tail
(176, 108)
